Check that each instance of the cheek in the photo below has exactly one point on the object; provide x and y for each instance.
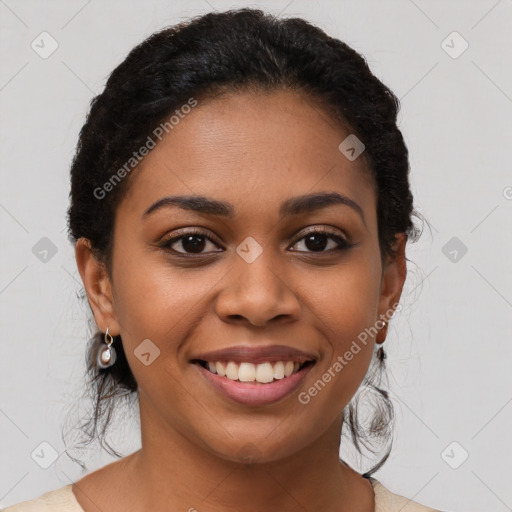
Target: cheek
(344, 305)
(154, 307)
(346, 301)
(155, 300)
(164, 305)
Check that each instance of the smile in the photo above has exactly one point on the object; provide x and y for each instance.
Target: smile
(254, 375)
(262, 373)
(252, 392)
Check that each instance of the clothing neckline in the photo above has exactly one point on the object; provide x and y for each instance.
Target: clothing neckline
(73, 502)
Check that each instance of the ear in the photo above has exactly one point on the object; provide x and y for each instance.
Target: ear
(394, 273)
(98, 287)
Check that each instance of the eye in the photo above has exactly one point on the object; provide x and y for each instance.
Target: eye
(191, 242)
(197, 242)
(317, 240)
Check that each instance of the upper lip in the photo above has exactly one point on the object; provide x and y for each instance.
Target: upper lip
(255, 355)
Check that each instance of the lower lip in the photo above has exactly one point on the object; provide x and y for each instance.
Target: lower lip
(255, 393)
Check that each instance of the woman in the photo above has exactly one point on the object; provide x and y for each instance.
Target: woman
(240, 207)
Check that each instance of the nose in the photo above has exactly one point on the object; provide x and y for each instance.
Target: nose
(257, 293)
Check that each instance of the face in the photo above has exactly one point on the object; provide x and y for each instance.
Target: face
(259, 270)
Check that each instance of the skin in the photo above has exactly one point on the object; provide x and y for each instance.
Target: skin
(253, 150)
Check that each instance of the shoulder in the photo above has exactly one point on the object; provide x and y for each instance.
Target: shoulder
(59, 500)
(386, 501)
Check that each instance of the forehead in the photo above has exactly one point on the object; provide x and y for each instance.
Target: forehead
(253, 150)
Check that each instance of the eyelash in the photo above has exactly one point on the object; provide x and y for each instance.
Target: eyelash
(343, 244)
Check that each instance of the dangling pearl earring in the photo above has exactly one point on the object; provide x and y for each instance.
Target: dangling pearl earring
(107, 354)
(381, 336)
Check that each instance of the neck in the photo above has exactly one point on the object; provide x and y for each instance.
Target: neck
(173, 472)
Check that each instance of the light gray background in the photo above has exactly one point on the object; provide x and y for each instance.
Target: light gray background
(449, 349)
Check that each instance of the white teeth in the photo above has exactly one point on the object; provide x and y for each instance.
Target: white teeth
(249, 372)
(264, 373)
(246, 372)
(221, 369)
(279, 370)
(232, 371)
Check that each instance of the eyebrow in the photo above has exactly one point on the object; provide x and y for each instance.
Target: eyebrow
(294, 206)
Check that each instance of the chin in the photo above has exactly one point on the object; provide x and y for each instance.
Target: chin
(251, 451)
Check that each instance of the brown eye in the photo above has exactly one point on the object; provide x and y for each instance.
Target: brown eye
(193, 243)
(318, 241)
(190, 243)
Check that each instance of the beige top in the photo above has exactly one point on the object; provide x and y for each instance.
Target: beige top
(63, 500)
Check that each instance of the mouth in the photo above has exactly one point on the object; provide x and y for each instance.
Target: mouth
(262, 373)
(253, 384)
(254, 375)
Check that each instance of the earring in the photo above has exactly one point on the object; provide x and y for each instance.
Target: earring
(107, 354)
(381, 335)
